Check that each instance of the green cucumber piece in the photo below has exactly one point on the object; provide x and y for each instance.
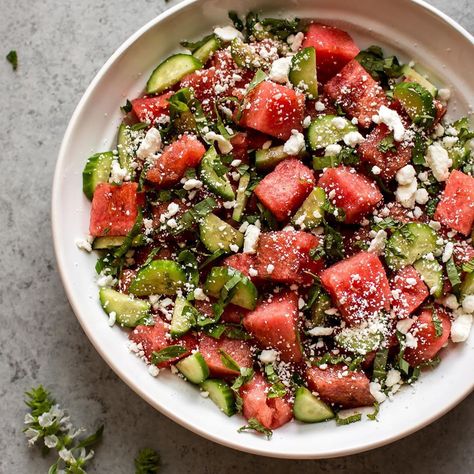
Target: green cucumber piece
(243, 55)
(414, 76)
(246, 293)
(303, 72)
(467, 286)
(194, 368)
(171, 71)
(319, 308)
(322, 132)
(110, 242)
(219, 185)
(160, 277)
(216, 234)
(221, 394)
(97, 170)
(410, 243)
(128, 311)
(126, 146)
(241, 197)
(311, 212)
(432, 274)
(358, 339)
(207, 49)
(417, 102)
(310, 409)
(184, 317)
(270, 157)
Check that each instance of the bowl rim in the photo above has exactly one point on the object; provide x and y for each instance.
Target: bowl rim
(122, 374)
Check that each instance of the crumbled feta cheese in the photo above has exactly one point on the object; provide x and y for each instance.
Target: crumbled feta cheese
(200, 295)
(104, 280)
(295, 144)
(268, 356)
(377, 245)
(270, 268)
(112, 318)
(230, 204)
(332, 150)
(252, 234)
(339, 122)
(393, 378)
(438, 160)
(423, 176)
(148, 224)
(422, 196)
(228, 33)
(393, 121)
(405, 194)
(319, 106)
(117, 174)
(295, 41)
(192, 183)
(444, 95)
(376, 170)
(235, 163)
(411, 341)
(85, 244)
(150, 145)
(153, 370)
(223, 144)
(280, 69)
(405, 175)
(449, 142)
(450, 301)
(404, 325)
(376, 392)
(204, 394)
(234, 247)
(468, 304)
(417, 212)
(321, 331)
(411, 281)
(448, 252)
(353, 139)
(438, 131)
(307, 121)
(253, 272)
(461, 328)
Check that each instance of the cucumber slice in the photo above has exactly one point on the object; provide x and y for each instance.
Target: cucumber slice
(309, 409)
(216, 234)
(171, 71)
(414, 76)
(97, 170)
(126, 146)
(110, 242)
(221, 394)
(128, 311)
(319, 308)
(432, 274)
(246, 292)
(160, 277)
(359, 339)
(184, 317)
(417, 102)
(303, 72)
(207, 49)
(408, 244)
(311, 212)
(322, 132)
(241, 197)
(269, 158)
(243, 55)
(219, 185)
(467, 286)
(194, 368)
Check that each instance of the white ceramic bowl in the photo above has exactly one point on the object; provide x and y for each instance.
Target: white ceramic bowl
(411, 29)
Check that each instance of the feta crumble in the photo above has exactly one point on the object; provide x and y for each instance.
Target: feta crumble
(280, 69)
(252, 234)
(461, 328)
(228, 33)
(438, 160)
(295, 144)
(223, 144)
(150, 145)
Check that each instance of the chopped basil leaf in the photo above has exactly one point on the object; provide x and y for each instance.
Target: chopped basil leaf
(380, 68)
(190, 265)
(387, 144)
(216, 330)
(127, 243)
(127, 107)
(168, 353)
(279, 27)
(254, 425)
(452, 272)
(238, 23)
(246, 374)
(228, 361)
(419, 150)
(12, 58)
(388, 223)
(348, 419)
(259, 77)
(151, 256)
(431, 206)
(468, 267)
(237, 333)
(437, 324)
(194, 46)
(147, 462)
(380, 365)
(373, 416)
(214, 256)
(277, 389)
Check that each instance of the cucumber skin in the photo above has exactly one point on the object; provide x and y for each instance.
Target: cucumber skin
(322, 126)
(210, 234)
(422, 113)
(221, 394)
(179, 326)
(112, 300)
(303, 64)
(242, 197)
(97, 170)
(415, 76)
(219, 186)
(309, 409)
(165, 277)
(188, 365)
(422, 267)
(265, 159)
(314, 202)
(207, 49)
(153, 86)
(102, 243)
(467, 285)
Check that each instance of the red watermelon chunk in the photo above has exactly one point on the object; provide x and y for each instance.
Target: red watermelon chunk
(149, 109)
(354, 193)
(359, 286)
(428, 344)
(273, 109)
(284, 189)
(356, 92)
(242, 262)
(212, 349)
(463, 253)
(232, 313)
(339, 386)
(456, 207)
(270, 412)
(334, 49)
(157, 337)
(284, 257)
(390, 161)
(408, 291)
(169, 168)
(274, 324)
(244, 142)
(114, 209)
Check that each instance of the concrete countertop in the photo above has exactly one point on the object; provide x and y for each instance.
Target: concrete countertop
(61, 45)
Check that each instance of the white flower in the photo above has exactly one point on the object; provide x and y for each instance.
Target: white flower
(29, 418)
(66, 456)
(32, 436)
(51, 441)
(46, 419)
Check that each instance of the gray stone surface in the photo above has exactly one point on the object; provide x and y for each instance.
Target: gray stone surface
(61, 45)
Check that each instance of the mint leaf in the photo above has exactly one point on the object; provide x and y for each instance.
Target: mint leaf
(254, 425)
(168, 353)
(147, 461)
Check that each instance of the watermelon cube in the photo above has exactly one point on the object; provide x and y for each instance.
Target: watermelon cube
(456, 207)
(284, 257)
(242, 262)
(169, 168)
(270, 412)
(339, 386)
(353, 192)
(157, 337)
(274, 324)
(408, 291)
(359, 286)
(114, 209)
(389, 161)
(334, 49)
(428, 343)
(149, 109)
(212, 351)
(356, 92)
(284, 189)
(273, 109)
(232, 314)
